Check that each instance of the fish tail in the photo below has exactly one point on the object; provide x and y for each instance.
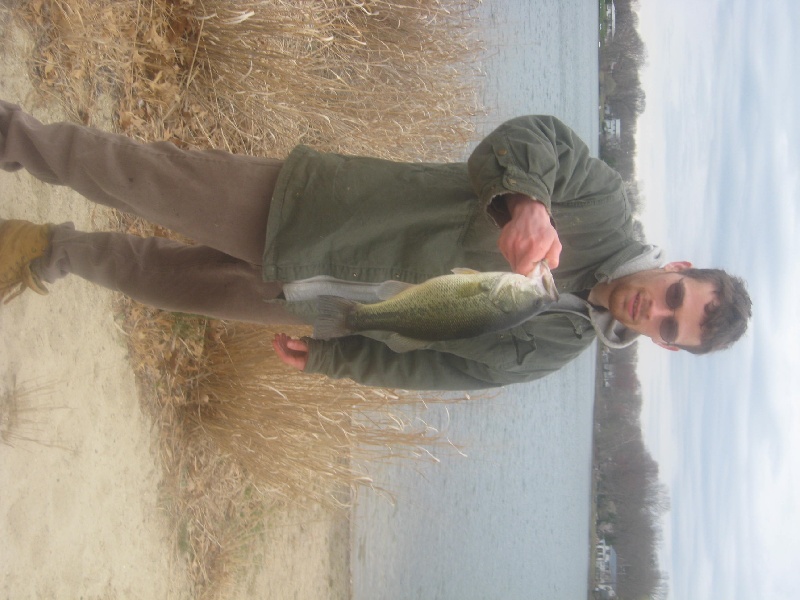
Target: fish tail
(332, 315)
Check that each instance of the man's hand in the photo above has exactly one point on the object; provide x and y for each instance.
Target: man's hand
(529, 236)
(291, 351)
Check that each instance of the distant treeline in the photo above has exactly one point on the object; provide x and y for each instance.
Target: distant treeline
(630, 498)
(621, 58)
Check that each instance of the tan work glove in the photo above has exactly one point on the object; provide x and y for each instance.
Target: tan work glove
(20, 243)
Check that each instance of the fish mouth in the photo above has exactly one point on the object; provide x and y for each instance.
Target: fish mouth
(550, 287)
(542, 271)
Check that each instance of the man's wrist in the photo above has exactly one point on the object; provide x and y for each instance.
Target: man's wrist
(504, 208)
(517, 203)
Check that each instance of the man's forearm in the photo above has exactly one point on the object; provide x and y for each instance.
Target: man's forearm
(371, 362)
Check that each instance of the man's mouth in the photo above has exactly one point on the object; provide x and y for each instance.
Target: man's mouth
(635, 307)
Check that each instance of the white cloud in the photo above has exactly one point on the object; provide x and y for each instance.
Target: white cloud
(718, 163)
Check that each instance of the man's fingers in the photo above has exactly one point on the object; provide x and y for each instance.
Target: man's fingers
(524, 262)
(288, 344)
(291, 351)
(553, 254)
(549, 250)
(296, 344)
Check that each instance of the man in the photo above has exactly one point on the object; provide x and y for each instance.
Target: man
(272, 235)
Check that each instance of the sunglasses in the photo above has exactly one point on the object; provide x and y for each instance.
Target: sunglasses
(674, 299)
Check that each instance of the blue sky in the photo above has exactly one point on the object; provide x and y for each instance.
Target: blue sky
(719, 166)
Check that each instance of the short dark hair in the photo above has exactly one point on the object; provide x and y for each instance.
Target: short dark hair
(726, 321)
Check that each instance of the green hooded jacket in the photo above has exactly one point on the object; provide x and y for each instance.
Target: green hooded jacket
(370, 220)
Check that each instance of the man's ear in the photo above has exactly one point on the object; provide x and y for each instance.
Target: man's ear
(675, 267)
(666, 346)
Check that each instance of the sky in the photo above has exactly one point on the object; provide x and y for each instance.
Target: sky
(719, 167)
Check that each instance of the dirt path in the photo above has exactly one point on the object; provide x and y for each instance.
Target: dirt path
(79, 502)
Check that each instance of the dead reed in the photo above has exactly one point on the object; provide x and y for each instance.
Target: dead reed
(377, 77)
(241, 433)
(300, 437)
(338, 74)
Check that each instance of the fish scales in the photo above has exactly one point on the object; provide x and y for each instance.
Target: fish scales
(436, 310)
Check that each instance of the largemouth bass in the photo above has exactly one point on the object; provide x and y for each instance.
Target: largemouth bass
(450, 307)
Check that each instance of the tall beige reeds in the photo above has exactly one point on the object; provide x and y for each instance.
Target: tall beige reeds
(301, 437)
(374, 77)
(395, 79)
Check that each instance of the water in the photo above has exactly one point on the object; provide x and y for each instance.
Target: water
(542, 59)
(511, 519)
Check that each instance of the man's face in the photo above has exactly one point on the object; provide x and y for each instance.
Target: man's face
(650, 303)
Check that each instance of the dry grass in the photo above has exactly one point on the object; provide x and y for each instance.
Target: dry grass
(238, 432)
(392, 79)
(320, 433)
(338, 74)
(22, 408)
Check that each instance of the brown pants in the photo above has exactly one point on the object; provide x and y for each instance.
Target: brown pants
(218, 199)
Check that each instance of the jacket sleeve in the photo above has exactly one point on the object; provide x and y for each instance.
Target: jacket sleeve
(526, 353)
(544, 159)
(371, 362)
(541, 157)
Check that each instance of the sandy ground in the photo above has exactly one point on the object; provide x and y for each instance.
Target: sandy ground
(80, 509)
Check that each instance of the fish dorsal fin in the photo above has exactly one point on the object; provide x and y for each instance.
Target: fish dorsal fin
(390, 289)
(400, 343)
(465, 271)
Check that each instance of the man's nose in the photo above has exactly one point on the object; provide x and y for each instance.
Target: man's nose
(659, 310)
